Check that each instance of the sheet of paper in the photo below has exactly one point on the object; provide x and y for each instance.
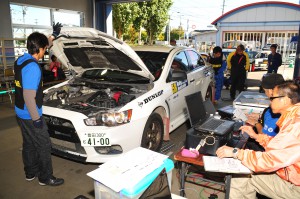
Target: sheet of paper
(224, 165)
(128, 169)
(239, 114)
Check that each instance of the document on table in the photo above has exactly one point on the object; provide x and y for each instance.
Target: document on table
(239, 114)
(128, 169)
(224, 165)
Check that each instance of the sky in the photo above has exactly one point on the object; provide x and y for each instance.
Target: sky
(200, 13)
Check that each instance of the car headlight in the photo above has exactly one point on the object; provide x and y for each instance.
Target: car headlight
(109, 118)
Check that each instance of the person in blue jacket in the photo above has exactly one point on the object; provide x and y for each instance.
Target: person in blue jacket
(267, 123)
(36, 151)
(218, 63)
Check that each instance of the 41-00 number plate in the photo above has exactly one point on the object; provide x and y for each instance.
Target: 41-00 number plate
(95, 139)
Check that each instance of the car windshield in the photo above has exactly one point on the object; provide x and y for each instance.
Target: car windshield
(154, 61)
(114, 76)
(252, 54)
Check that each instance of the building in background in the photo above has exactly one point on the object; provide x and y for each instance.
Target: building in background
(258, 25)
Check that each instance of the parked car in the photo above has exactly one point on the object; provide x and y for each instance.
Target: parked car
(117, 102)
(261, 60)
(233, 44)
(252, 55)
(268, 46)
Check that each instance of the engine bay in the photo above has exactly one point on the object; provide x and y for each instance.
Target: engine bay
(88, 97)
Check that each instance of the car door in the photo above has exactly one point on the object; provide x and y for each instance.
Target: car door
(176, 102)
(198, 72)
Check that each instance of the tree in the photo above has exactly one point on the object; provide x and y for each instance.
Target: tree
(176, 33)
(140, 19)
(123, 14)
(156, 17)
(131, 36)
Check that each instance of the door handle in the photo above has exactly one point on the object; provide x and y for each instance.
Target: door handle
(192, 80)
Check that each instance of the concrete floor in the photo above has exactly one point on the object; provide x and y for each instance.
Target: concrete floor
(14, 186)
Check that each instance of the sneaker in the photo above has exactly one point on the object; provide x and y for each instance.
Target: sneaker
(53, 181)
(29, 178)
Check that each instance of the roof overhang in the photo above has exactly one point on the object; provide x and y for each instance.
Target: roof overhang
(280, 3)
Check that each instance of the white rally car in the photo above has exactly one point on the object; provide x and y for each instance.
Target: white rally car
(115, 101)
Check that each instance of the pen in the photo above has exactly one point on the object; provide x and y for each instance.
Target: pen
(250, 111)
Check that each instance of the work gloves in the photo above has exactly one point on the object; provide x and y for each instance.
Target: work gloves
(56, 29)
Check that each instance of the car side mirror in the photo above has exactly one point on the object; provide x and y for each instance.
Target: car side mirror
(178, 75)
(201, 62)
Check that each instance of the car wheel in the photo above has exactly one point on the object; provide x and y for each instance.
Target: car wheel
(208, 94)
(153, 133)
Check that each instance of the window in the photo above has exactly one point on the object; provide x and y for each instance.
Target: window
(180, 61)
(68, 18)
(27, 19)
(27, 15)
(195, 59)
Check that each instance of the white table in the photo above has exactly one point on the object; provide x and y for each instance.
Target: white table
(251, 101)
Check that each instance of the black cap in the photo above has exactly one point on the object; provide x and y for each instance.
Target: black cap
(270, 80)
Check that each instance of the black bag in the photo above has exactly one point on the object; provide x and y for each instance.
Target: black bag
(159, 188)
(213, 141)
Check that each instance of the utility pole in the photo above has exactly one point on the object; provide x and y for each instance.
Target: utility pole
(223, 7)
(169, 30)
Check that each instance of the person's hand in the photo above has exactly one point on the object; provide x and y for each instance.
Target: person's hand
(224, 152)
(56, 29)
(249, 130)
(38, 123)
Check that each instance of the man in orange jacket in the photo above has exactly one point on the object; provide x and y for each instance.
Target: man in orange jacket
(277, 169)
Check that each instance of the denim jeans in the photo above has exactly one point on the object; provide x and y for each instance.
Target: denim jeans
(36, 150)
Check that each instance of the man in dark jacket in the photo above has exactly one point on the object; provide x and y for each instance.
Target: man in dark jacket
(274, 59)
(238, 63)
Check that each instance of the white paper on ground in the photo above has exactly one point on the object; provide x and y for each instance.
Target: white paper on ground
(128, 169)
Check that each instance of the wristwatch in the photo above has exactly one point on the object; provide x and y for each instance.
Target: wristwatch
(235, 153)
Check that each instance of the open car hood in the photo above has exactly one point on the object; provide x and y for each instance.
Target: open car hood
(80, 49)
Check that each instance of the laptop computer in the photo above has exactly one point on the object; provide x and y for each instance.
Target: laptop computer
(201, 120)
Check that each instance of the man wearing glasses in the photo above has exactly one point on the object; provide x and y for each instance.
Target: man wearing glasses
(277, 169)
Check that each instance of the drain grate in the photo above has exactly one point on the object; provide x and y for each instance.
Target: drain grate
(166, 147)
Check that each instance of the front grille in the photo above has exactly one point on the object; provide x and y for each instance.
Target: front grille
(63, 137)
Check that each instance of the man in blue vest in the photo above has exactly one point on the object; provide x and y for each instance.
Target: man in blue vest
(267, 123)
(36, 151)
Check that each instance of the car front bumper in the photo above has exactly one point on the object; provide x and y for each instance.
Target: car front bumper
(67, 129)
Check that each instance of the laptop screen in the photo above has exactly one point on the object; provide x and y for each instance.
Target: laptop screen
(196, 109)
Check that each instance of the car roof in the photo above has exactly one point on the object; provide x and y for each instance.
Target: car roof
(157, 48)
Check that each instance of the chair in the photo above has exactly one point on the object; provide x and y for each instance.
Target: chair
(9, 78)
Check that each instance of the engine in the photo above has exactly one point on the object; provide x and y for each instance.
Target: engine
(87, 99)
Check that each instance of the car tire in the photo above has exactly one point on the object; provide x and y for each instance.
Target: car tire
(153, 133)
(208, 94)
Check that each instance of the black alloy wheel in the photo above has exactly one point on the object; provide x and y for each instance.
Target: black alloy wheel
(153, 133)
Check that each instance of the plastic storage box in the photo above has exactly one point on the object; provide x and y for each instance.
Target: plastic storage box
(104, 192)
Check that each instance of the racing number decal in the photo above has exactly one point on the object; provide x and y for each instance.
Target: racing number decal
(174, 88)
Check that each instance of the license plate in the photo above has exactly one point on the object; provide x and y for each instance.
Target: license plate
(95, 139)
